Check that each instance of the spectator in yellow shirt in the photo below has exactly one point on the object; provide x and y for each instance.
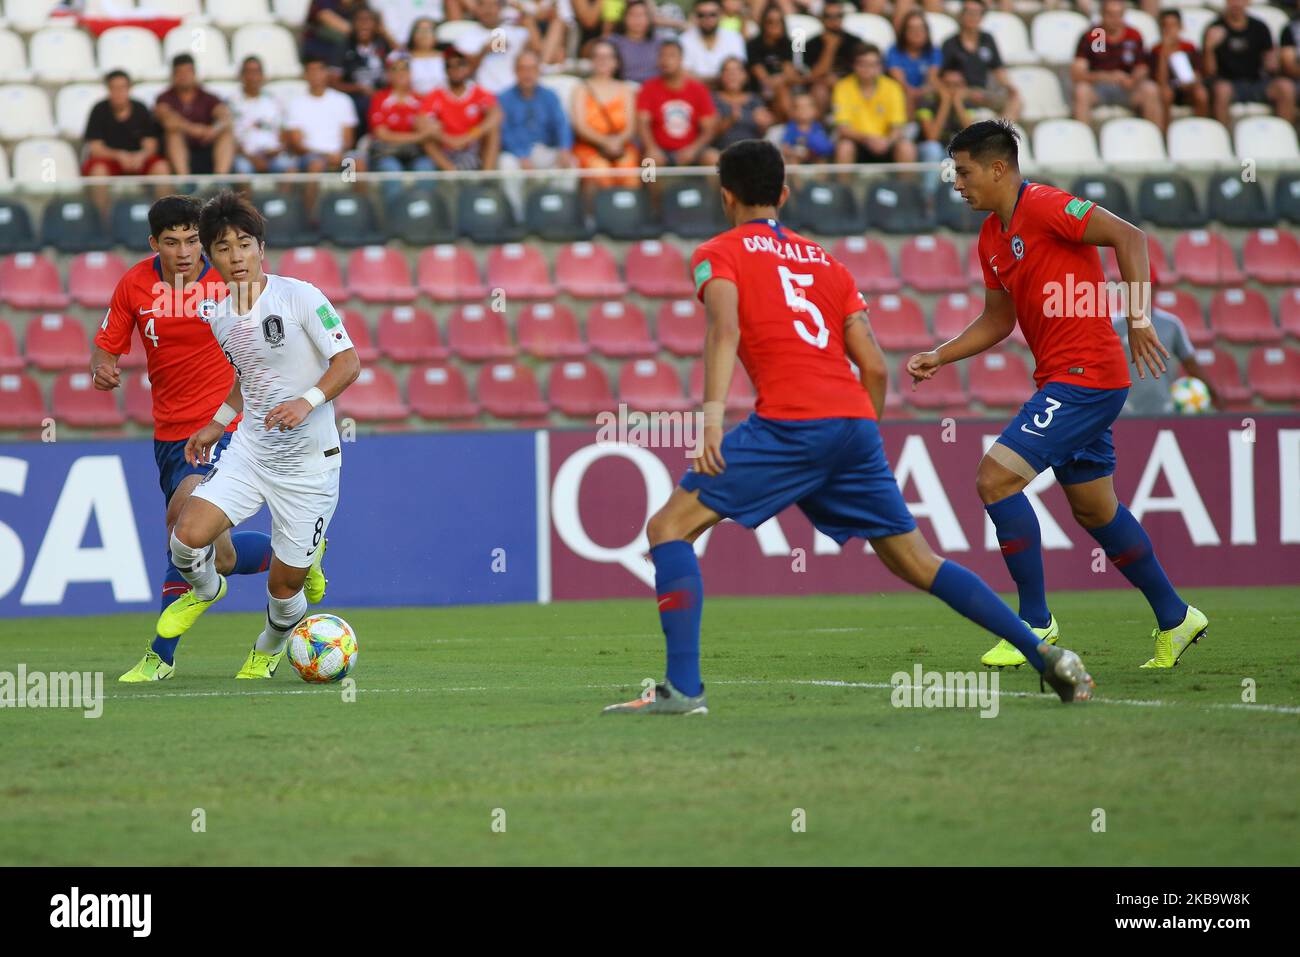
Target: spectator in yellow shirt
(870, 114)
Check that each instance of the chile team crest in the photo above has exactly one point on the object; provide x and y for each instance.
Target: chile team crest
(207, 309)
(1017, 247)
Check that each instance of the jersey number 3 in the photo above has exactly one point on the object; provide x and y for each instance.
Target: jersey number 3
(794, 284)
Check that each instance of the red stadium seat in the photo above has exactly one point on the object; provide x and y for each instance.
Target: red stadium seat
(379, 274)
(509, 390)
(1161, 271)
(138, 398)
(55, 341)
(374, 397)
(588, 271)
(1243, 315)
(92, 277)
(439, 391)
(409, 334)
(658, 270)
(30, 281)
(999, 379)
(931, 264)
(619, 329)
(898, 323)
(520, 271)
(76, 402)
(974, 271)
(740, 397)
(1272, 256)
(954, 312)
(10, 359)
(21, 404)
(944, 392)
(359, 332)
(1186, 307)
(1206, 259)
(652, 386)
(1221, 371)
(1274, 371)
(580, 389)
(868, 261)
(550, 331)
(478, 334)
(681, 324)
(1288, 313)
(449, 273)
(316, 266)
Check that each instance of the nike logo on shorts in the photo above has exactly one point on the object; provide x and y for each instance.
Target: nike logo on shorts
(1025, 428)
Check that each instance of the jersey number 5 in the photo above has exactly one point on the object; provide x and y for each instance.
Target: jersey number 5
(794, 284)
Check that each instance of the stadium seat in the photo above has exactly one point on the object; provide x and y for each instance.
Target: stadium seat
(931, 264)
(1194, 139)
(649, 385)
(1129, 139)
(232, 14)
(1168, 200)
(974, 271)
(1186, 307)
(58, 55)
(73, 226)
(133, 49)
(16, 233)
(374, 397)
(1286, 198)
(484, 216)
(692, 210)
(440, 391)
(13, 58)
(953, 313)
(76, 402)
(619, 330)
(419, 216)
(625, 214)
(941, 25)
(450, 30)
(579, 389)
(25, 112)
(740, 397)
(868, 262)
(207, 44)
(317, 266)
(657, 269)
(21, 403)
(138, 397)
(1221, 371)
(1274, 371)
(1055, 35)
(11, 359)
(54, 341)
(999, 379)
(1107, 192)
(93, 276)
(520, 272)
(1008, 30)
(130, 223)
(447, 273)
(1266, 139)
(72, 106)
(359, 332)
(1288, 312)
(1065, 143)
(286, 220)
(898, 322)
(898, 207)
(953, 212)
(1234, 202)
(587, 271)
(825, 209)
(379, 274)
(870, 27)
(1205, 258)
(348, 219)
(680, 325)
(1243, 315)
(45, 165)
(1041, 91)
(509, 390)
(550, 331)
(409, 334)
(478, 334)
(274, 45)
(1272, 257)
(943, 393)
(555, 215)
(30, 281)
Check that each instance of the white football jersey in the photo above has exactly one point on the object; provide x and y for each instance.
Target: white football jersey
(280, 349)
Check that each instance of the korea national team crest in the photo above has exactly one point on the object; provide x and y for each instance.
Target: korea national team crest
(273, 330)
(1017, 247)
(207, 309)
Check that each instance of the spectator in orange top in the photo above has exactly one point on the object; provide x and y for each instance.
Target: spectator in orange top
(603, 115)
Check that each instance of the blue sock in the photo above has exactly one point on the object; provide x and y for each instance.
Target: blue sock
(174, 585)
(966, 593)
(681, 602)
(252, 552)
(1129, 549)
(1022, 550)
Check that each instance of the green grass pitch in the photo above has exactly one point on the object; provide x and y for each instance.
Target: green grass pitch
(462, 711)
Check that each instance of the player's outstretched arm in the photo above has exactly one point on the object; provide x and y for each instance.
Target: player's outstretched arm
(721, 340)
(865, 352)
(343, 370)
(1130, 245)
(991, 326)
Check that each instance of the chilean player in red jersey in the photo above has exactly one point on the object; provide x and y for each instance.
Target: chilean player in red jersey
(794, 317)
(168, 298)
(1038, 248)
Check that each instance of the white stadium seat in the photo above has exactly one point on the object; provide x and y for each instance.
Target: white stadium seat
(1132, 140)
(206, 44)
(273, 45)
(1011, 36)
(133, 49)
(1055, 34)
(872, 28)
(1041, 92)
(72, 106)
(13, 58)
(28, 16)
(224, 90)
(1266, 139)
(285, 90)
(24, 112)
(62, 55)
(109, 8)
(4, 165)
(1195, 20)
(1275, 18)
(801, 25)
(451, 30)
(292, 13)
(942, 27)
(562, 85)
(1145, 24)
(1065, 142)
(147, 93)
(1198, 139)
(45, 164)
(190, 10)
(232, 14)
(1026, 149)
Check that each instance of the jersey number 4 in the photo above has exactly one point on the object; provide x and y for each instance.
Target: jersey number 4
(794, 284)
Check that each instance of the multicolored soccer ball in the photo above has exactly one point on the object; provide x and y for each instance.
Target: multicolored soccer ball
(1191, 397)
(323, 648)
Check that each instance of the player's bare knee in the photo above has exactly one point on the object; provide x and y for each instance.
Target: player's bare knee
(663, 527)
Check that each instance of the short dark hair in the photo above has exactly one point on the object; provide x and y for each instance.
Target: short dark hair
(229, 210)
(1171, 12)
(114, 74)
(173, 212)
(250, 59)
(181, 59)
(311, 58)
(988, 140)
(865, 48)
(753, 171)
(671, 42)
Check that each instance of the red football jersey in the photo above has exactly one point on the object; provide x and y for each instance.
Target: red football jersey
(188, 371)
(793, 299)
(1056, 282)
(459, 114)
